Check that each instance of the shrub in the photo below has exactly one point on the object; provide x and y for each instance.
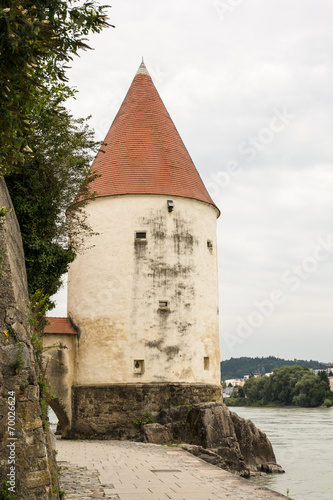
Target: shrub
(147, 419)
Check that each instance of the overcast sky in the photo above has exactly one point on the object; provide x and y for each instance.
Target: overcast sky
(248, 85)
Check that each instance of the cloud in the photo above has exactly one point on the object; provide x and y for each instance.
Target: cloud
(224, 78)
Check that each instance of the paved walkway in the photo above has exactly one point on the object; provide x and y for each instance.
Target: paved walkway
(125, 470)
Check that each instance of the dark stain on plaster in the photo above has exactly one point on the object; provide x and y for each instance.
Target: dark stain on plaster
(183, 239)
(57, 371)
(171, 351)
(156, 224)
(158, 231)
(140, 247)
(163, 273)
(78, 331)
(183, 327)
(163, 311)
(155, 344)
(59, 365)
(165, 260)
(184, 289)
(182, 236)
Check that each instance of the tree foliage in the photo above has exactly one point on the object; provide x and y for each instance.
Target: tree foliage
(44, 151)
(38, 38)
(288, 386)
(238, 367)
(43, 190)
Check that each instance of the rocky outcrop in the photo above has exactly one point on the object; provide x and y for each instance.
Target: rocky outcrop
(254, 445)
(27, 461)
(218, 436)
(157, 433)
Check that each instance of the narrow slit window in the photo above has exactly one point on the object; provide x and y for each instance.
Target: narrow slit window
(206, 363)
(139, 366)
(210, 245)
(141, 235)
(163, 303)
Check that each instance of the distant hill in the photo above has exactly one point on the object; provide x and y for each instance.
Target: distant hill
(238, 367)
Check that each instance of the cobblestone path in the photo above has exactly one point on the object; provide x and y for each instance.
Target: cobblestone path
(125, 470)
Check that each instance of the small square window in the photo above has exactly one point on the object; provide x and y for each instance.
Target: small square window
(210, 245)
(139, 366)
(163, 303)
(141, 235)
(206, 363)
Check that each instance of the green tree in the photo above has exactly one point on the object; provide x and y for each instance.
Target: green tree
(43, 189)
(44, 152)
(254, 390)
(38, 38)
(283, 383)
(310, 390)
(238, 367)
(324, 377)
(289, 385)
(241, 393)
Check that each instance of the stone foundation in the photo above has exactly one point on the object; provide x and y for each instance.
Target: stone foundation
(108, 411)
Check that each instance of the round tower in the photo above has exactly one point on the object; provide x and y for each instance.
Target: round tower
(144, 296)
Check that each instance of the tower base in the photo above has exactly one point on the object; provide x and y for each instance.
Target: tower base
(108, 411)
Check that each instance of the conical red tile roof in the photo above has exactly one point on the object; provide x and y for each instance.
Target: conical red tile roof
(143, 152)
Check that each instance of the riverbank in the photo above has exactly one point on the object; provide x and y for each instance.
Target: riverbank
(242, 403)
(126, 470)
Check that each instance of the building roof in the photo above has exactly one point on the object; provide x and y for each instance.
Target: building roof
(60, 326)
(143, 152)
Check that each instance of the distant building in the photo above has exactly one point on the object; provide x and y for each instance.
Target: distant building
(327, 370)
(227, 392)
(235, 381)
(331, 383)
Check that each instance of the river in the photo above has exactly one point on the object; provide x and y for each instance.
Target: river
(302, 440)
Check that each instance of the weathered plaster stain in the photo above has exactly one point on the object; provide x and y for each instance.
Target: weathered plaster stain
(123, 323)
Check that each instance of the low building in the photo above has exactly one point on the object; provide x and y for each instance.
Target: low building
(228, 392)
(330, 379)
(235, 381)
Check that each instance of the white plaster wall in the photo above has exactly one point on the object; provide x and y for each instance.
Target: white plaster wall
(114, 289)
(61, 364)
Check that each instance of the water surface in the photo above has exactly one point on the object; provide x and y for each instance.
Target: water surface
(302, 440)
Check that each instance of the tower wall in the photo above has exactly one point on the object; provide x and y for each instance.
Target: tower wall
(147, 308)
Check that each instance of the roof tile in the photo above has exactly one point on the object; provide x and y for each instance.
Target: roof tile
(143, 152)
(60, 326)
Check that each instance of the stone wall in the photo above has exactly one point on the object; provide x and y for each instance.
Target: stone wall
(109, 411)
(27, 460)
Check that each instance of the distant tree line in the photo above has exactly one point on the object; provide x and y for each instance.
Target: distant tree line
(238, 367)
(287, 386)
